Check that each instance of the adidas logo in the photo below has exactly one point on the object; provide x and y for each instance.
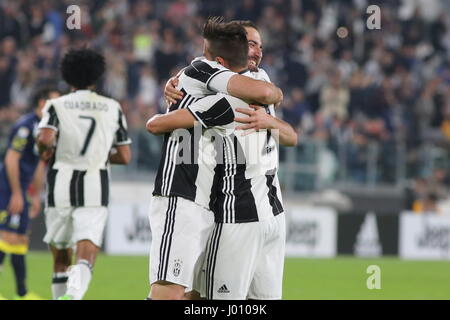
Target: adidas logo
(223, 289)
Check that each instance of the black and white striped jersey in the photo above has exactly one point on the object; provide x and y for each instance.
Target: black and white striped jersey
(246, 187)
(181, 164)
(88, 125)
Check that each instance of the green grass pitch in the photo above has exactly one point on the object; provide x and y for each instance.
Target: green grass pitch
(124, 277)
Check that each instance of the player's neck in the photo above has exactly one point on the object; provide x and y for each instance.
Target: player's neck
(90, 88)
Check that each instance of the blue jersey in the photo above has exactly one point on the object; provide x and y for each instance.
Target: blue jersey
(22, 139)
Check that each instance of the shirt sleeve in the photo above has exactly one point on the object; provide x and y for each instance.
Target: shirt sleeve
(19, 138)
(219, 81)
(121, 137)
(213, 75)
(211, 111)
(49, 117)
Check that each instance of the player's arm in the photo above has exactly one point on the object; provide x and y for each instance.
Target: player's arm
(237, 85)
(48, 127)
(46, 142)
(213, 110)
(121, 151)
(249, 89)
(120, 155)
(16, 202)
(38, 186)
(259, 119)
(163, 123)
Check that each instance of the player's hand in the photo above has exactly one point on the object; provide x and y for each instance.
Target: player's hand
(257, 119)
(36, 206)
(16, 203)
(277, 105)
(47, 154)
(171, 94)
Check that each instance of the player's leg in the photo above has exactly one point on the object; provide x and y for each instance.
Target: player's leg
(231, 256)
(3, 225)
(16, 246)
(88, 228)
(80, 274)
(3, 253)
(180, 229)
(2, 260)
(268, 278)
(58, 223)
(14, 241)
(62, 259)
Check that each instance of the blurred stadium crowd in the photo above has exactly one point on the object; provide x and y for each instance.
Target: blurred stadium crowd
(359, 93)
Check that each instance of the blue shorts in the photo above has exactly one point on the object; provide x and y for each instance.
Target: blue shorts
(13, 223)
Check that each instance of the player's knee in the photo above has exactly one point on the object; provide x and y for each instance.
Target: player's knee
(87, 250)
(163, 290)
(14, 243)
(193, 295)
(14, 238)
(87, 245)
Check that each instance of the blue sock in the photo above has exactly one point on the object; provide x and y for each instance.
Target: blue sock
(2, 258)
(18, 263)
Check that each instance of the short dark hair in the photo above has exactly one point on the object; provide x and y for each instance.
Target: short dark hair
(227, 40)
(41, 93)
(82, 68)
(246, 24)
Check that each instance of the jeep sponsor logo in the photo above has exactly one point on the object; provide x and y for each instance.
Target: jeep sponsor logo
(304, 232)
(139, 230)
(434, 237)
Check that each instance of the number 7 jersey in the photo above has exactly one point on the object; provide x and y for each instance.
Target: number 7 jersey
(88, 125)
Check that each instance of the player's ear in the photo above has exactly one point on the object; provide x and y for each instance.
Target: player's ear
(220, 60)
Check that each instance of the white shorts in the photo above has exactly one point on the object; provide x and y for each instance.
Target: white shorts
(67, 226)
(180, 230)
(245, 261)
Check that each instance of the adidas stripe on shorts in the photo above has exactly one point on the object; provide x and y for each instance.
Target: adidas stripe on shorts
(180, 230)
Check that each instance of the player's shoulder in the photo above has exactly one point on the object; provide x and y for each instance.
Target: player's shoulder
(108, 100)
(56, 102)
(261, 74)
(77, 99)
(27, 120)
(203, 65)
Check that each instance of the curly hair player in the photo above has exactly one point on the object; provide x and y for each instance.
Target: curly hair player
(80, 134)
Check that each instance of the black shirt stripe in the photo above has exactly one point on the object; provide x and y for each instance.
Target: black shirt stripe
(51, 179)
(200, 71)
(53, 119)
(77, 188)
(275, 203)
(104, 181)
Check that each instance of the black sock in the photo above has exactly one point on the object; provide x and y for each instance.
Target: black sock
(18, 263)
(2, 257)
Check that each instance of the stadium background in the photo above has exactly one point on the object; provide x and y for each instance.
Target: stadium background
(368, 183)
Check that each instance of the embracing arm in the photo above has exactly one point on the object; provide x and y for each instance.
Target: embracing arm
(249, 89)
(163, 123)
(239, 86)
(259, 119)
